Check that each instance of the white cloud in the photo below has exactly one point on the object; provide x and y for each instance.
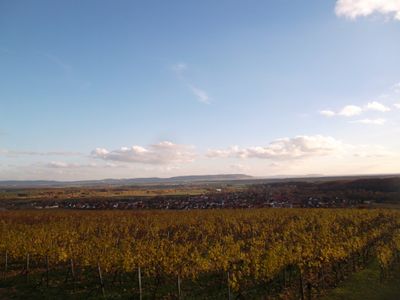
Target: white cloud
(378, 121)
(301, 147)
(158, 154)
(377, 106)
(389, 97)
(350, 110)
(200, 94)
(397, 105)
(355, 110)
(285, 148)
(327, 113)
(353, 9)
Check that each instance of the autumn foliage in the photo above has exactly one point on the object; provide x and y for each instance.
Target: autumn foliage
(302, 250)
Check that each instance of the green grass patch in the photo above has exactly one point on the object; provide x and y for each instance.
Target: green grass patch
(366, 285)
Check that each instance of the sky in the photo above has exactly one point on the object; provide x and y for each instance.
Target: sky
(121, 89)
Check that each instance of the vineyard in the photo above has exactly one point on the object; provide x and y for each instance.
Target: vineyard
(214, 254)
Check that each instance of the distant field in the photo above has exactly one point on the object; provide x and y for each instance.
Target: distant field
(386, 205)
(87, 193)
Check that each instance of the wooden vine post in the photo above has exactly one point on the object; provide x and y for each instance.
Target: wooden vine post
(309, 290)
(229, 287)
(47, 270)
(27, 267)
(179, 287)
(5, 264)
(72, 272)
(301, 284)
(101, 280)
(140, 283)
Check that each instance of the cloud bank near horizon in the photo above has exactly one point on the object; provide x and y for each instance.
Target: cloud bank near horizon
(162, 153)
(300, 147)
(298, 155)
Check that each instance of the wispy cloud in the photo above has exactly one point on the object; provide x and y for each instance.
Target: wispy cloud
(239, 167)
(396, 88)
(65, 165)
(327, 113)
(38, 153)
(378, 121)
(179, 68)
(58, 62)
(353, 9)
(5, 50)
(201, 95)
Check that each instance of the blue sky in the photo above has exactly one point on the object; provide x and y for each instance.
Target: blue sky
(97, 89)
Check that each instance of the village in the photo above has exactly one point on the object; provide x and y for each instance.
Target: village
(318, 194)
(283, 197)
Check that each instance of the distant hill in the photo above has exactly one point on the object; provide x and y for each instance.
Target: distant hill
(121, 182)
(379, 182)
(368, 184)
